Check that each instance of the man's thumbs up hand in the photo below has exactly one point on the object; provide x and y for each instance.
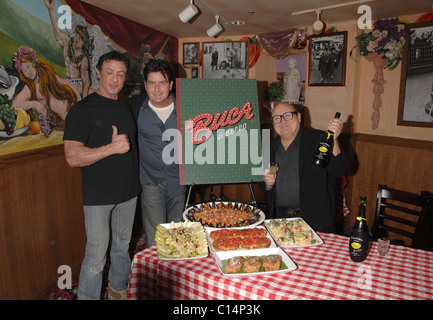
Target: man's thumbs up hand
(119, 142)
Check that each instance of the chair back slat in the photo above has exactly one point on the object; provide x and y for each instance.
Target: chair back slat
(399, 231)
(399, 220)
(401, 208)
(402, 196)
(405, 213)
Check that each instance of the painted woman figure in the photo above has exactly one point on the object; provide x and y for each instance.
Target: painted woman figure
(43, 87)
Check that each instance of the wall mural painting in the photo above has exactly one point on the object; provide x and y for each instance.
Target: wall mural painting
(45, 69)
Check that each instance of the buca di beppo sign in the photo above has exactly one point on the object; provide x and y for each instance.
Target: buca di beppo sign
(207, 123)
(219, 125)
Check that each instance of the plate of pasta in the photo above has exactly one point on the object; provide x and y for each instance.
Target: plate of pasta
(292, 233)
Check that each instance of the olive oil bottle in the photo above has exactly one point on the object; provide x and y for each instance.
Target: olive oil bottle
(323, 150)
(360, 236)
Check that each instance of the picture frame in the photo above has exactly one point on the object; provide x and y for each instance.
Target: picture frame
(227, 59)
(194, 72)
(416, 83)
(327, 62)
(190, 52)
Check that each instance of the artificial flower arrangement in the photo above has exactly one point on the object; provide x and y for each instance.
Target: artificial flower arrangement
(386, 39)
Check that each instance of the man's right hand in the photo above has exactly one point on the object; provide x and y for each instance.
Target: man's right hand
(269, 179)
(119, 142)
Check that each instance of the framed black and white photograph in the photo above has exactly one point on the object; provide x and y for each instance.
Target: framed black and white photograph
(228, 59)
(190, 53)
(194, 72)
(327, 65)
(416, 83)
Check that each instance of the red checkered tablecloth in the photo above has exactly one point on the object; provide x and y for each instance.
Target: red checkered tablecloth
(324, 272)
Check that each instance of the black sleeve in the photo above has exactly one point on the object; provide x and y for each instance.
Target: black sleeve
(76, 125)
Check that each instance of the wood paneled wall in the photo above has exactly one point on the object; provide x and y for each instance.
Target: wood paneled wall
(400, 163)
(41, 222)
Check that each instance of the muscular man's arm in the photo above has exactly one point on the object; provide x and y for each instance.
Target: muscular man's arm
(61, 37)
(78, 155)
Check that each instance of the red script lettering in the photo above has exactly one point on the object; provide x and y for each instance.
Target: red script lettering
(205, 123)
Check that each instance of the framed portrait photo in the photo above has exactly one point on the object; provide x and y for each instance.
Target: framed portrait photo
(416, 82)
(190, 53)
(327, 63)
(227, 59)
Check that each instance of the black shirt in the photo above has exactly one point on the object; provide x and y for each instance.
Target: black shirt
(287, 183)
(114, 179)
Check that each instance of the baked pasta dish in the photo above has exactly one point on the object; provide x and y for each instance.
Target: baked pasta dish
(291, 232)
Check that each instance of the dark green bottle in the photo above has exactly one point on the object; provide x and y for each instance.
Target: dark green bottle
(360, 236)
(323, 150)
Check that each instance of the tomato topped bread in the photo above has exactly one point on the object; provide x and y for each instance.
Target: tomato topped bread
(242, 233)
(239, 243)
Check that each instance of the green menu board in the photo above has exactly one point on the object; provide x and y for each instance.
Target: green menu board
(220, 131)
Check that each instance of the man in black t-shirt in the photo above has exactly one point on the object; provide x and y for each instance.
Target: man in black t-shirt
(100, 138)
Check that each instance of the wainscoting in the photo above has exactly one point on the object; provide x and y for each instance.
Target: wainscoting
(41, 222)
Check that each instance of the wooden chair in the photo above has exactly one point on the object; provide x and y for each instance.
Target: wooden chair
(404, 213)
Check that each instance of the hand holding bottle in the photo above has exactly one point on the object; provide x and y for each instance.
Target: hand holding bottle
(335, 126)
(326, 146)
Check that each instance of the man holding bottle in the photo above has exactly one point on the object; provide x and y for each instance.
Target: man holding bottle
(300, 188)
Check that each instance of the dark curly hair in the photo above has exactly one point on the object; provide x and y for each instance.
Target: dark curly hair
(159, 65)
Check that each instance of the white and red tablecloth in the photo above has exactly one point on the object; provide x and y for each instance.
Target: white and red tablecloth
(323, 272)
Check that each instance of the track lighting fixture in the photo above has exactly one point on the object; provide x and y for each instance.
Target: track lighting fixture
(318, 26)
(215, 29)
(191, 11)
(188, 13)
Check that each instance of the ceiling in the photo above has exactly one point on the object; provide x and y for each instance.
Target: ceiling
(260, 16)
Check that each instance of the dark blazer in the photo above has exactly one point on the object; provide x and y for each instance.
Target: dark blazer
(317, 194)
(135, 104)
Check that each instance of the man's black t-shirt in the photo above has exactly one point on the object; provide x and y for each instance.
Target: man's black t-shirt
(114, 179)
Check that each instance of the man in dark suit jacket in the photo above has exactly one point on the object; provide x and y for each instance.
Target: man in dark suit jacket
(300, 188)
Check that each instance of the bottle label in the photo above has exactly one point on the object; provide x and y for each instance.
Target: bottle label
(356, 245)
(323, 149)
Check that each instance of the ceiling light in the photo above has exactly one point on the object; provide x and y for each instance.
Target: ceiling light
(318, 25)
(215, 29)
(238, 23)
(188, 13)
